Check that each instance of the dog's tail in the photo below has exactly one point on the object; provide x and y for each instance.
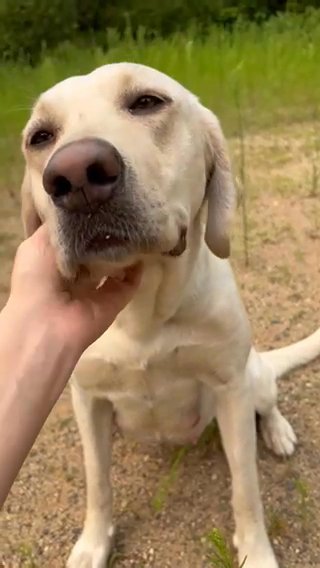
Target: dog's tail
(293, 356)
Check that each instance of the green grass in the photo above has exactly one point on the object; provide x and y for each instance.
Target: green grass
(221, 555)
(26, 555)
(271, 72)
(166, 483)
(208, 440)
(304, 502)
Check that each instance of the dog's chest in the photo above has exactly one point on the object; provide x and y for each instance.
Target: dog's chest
(155, 387)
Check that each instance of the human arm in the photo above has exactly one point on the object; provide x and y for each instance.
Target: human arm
(43, 331)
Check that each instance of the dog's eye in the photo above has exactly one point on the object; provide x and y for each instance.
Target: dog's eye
(41, 137)
(146, 104)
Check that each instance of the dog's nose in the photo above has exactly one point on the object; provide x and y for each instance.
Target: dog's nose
(83, 175)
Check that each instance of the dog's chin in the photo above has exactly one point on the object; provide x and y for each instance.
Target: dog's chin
(110, 255)
(111, 261)
(96, 262)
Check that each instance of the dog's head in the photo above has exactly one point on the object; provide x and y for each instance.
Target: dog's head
(119, 163)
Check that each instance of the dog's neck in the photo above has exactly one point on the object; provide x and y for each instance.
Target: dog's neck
(163, 291)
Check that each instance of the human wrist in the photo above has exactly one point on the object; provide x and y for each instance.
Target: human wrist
(26, 329)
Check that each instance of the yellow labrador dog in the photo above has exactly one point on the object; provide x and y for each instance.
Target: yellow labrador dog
(125, 165)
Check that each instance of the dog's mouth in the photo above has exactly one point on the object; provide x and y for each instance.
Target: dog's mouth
(113, 244)
(106, 241)
(109, 234)
(111, 241)
(115, 238)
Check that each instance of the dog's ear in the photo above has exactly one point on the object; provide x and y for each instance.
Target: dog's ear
(30, 218)
(220, 190)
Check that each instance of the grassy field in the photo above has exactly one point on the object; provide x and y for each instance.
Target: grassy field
(264, 84)
(269, 74)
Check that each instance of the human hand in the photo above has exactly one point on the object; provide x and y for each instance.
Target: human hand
(40, 293)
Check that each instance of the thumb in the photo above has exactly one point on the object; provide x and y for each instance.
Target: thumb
(35, 261)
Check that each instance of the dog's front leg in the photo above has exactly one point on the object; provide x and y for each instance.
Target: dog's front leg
(94, 418)
(236, 420)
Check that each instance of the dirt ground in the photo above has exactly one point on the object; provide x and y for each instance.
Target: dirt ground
(44, 512)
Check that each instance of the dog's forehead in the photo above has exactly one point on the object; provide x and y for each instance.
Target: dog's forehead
(111, 81)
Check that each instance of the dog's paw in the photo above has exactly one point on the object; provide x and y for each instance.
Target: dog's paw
(278, 434)
(89, 553)
(252, 561)
(257, 554)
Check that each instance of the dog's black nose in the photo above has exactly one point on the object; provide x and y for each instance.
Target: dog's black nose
(82, 175)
